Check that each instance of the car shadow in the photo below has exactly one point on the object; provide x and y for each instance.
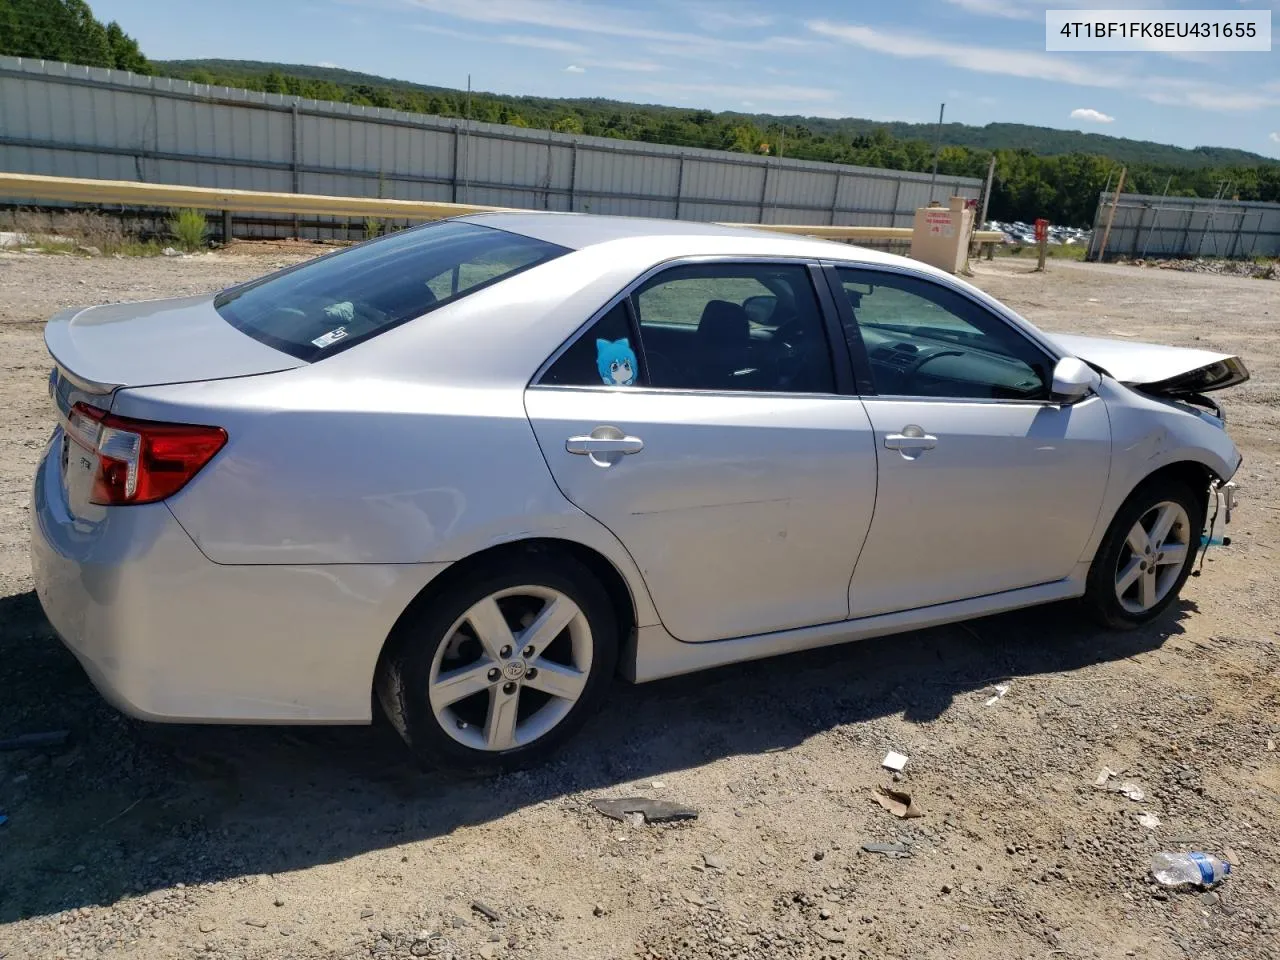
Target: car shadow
(126, 807)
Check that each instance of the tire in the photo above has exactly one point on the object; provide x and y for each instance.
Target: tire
(1149, 594)
(505, 717)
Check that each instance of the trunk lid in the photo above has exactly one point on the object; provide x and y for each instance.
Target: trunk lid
(1158, 369)
(155, 342)
(98, 350)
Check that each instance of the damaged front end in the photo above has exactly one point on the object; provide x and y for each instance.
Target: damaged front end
(1222, 501)
(1179, 373)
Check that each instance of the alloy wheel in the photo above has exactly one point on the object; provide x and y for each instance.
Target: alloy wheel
(1151, 559)
(511, 668)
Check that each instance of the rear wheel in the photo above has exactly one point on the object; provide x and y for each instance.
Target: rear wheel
(1146, 555)
(504, 666)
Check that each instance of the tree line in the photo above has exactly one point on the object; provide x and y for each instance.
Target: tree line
(1029, 183)
(1063, 188)
(66, 30)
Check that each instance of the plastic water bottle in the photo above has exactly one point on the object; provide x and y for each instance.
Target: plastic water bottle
(1179, 869)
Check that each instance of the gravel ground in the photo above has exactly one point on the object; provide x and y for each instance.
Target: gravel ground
(140, 841)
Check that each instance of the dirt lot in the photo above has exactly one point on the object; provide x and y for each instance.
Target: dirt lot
(164, 842)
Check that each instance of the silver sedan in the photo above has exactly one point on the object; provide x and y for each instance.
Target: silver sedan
(473, 470)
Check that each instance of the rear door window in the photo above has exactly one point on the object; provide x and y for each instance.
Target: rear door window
(326, 305)
(602, 356)
(753, 327)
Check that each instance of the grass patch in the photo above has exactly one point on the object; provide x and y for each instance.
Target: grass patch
(188, 228)
(1072, 251)
(83, 233)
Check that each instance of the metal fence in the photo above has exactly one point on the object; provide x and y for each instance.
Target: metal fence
(1151, 226)
(63, 120)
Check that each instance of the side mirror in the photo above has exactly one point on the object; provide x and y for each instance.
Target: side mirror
(1073, 379)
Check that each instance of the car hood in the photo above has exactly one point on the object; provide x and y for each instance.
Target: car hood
(1170, 371)
(154, 342)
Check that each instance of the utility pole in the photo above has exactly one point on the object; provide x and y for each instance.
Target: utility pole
(986, 191)
(937, 145)
(1111, 217)
(981, 222)
(782, 145)
(466, 174)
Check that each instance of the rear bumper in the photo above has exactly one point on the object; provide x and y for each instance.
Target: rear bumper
(167, 635)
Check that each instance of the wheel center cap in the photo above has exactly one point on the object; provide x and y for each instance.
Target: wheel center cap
(513, 669)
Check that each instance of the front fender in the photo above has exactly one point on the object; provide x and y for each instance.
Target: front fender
(1149, 434)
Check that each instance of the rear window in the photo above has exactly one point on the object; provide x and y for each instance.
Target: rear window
(326, 305)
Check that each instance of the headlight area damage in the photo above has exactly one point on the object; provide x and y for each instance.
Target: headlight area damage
(1157, 370)
(1179, 374)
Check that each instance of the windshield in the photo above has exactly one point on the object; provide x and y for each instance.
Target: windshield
(326, 305)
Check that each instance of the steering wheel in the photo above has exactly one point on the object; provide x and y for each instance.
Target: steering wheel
(911, 372)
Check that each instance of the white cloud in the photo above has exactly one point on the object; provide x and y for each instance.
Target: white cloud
(630, 66)
(515, 40)
(1053, 67)
(1010, 9)
(712, 18)
(553, 14)
(1034, 9)
(774, 94)
(1274, 137)
(1179, 92)
(1093, 116)
(327, 63)
(574, 68)
(1014, 63)
(597, 18)
(541, 43)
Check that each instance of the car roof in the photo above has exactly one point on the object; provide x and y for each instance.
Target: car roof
(579, 230)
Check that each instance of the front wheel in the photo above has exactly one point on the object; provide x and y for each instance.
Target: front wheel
(1146, 555)
(503, 667)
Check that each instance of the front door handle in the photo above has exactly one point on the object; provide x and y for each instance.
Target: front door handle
(589, 445)
(911, 442)
(604, 446)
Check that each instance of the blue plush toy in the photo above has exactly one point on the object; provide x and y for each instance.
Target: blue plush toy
(616, 362)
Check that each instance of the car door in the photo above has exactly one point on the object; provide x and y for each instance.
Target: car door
(699, 418)
(985, 483)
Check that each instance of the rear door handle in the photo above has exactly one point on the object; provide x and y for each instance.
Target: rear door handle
(604, 446)
(586, 446)
(911, 442)
(901, 441)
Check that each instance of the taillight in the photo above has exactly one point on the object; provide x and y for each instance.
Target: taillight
(140, 461)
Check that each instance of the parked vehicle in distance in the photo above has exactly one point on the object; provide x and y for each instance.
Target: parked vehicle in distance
(472, 470)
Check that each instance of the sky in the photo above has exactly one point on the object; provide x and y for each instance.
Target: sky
(879, 60)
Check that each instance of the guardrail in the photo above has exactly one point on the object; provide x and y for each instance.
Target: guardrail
(856, 233)
(78, 190)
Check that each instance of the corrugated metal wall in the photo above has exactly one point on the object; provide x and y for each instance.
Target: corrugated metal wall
(66, 120)
(1151, 226)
